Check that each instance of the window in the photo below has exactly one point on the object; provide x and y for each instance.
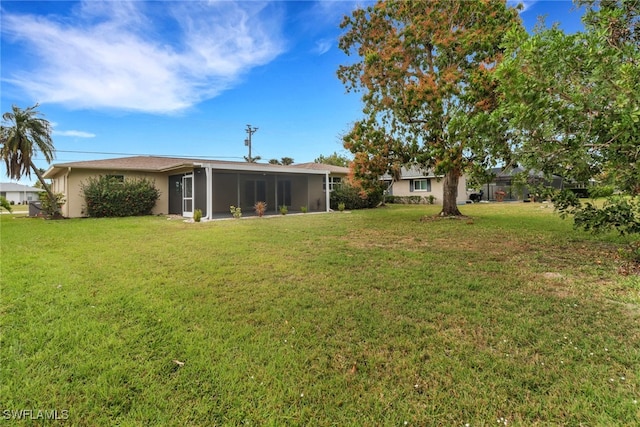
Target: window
(334, 182)
(421, 185)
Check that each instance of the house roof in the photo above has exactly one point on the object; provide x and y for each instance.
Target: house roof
(324, 167)
(412, 172)
(166, 164)
(503, 173)
(18, 188)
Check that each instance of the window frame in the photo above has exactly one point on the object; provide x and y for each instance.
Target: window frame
(415, 182)
(334, 182)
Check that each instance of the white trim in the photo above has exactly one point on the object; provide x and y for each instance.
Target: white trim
(327, 199)
(188, 214)
(209, 178)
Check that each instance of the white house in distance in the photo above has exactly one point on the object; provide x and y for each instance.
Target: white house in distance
(19, 194)
(423, 183)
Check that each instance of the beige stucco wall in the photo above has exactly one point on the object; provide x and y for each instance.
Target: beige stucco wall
(402, 188)
(70, 182)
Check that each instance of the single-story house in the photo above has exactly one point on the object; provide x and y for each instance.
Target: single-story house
(503, 182)
(19, 194)
(415, 181)
(209, 185)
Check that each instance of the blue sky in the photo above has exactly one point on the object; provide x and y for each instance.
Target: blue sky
(185, 78)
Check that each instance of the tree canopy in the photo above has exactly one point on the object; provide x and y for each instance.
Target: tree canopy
(572, 101)
(334, 159)
(425, 71)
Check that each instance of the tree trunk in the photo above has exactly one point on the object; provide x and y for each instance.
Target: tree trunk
(450, 194)
(52, 197)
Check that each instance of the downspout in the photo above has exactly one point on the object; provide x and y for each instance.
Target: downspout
(328, 190)
(66, 192)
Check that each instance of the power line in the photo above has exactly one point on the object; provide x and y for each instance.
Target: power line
(145, 154)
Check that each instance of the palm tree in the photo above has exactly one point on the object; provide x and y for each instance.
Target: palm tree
(252, 159)
(23, 133)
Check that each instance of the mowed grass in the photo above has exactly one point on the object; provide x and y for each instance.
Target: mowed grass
(365, 318)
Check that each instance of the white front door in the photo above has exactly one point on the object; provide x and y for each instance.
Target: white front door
(187, 195)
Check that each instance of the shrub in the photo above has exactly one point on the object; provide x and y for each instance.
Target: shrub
(601, 191)
(355, 198)
(410, 200)
(5, 204)
(303, 209)
(260, 208)
(110, 197)
(341, 206)
(47, 207)
(617, 213)
(284, 210)
(236, 212)
(197, 215)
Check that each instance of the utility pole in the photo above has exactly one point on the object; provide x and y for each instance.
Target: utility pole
(247, 142)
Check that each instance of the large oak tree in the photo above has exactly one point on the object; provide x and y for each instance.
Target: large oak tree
(425, 71)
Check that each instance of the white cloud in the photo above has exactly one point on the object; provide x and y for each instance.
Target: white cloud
(322, 46)
(526, 4)
(74, 133)
(116, 54)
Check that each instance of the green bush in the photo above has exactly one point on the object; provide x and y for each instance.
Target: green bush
(618, 213)
(601, 191)
(5, 204)
(46, 206)
(405, 200)
(235, 211)
(354, 198)
(106, 196)
(197, 215)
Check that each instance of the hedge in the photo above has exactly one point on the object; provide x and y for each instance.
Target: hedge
(353, 198)
(107, 196)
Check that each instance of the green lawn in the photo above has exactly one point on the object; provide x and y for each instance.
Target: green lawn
(365, 318)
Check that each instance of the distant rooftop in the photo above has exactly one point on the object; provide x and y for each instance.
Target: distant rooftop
(18, 188)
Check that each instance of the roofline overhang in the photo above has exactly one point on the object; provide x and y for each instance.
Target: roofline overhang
(249, 167)
(256, 167)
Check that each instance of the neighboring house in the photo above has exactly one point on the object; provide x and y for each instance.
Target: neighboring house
(209, 185)
(415, 181)
(19, 194)
(503, 181)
